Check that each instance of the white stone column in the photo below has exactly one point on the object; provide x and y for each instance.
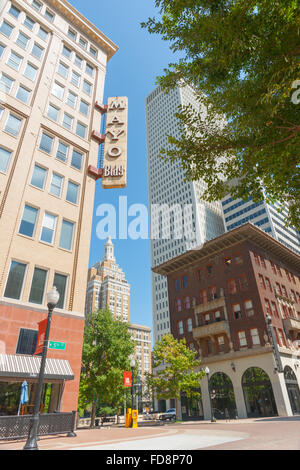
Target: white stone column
(205, 398)
(281, 395)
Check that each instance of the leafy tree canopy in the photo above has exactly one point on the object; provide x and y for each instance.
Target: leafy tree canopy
(174, 365)
(242, 59)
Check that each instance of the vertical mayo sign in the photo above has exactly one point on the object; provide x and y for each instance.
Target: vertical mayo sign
(115, 148)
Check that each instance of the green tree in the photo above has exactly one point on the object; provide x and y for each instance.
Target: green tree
(174, 363)
(242, 59)
(106, 350)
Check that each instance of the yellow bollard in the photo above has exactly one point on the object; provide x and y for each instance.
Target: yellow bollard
(128, 418)
(134, 418)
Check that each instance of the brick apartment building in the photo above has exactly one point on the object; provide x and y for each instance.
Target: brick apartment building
(219, 296)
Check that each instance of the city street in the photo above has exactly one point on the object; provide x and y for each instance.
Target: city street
(248, 434)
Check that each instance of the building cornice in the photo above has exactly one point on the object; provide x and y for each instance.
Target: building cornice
(88, 28)
(247, 232)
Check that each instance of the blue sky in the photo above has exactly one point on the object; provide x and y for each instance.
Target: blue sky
(131, 72)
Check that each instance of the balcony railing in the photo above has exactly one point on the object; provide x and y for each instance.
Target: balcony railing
(211, 328)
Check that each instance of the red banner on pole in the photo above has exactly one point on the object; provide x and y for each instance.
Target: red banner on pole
(127, 379)
(41, 336)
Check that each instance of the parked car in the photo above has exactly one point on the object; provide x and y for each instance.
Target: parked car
(169, 415)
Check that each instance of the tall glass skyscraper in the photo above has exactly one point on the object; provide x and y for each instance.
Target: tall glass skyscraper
(192, 221)
(268, 217)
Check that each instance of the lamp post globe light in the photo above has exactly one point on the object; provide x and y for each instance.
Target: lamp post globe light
(212, 418)
(31, 444)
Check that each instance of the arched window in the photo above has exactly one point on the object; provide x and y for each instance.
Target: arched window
(187, 302)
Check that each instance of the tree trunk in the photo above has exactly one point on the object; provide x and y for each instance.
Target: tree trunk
(178, 409)
(93, 414)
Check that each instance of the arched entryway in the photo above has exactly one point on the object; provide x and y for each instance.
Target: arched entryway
(258, 393)
(222, 395)
(292, 389)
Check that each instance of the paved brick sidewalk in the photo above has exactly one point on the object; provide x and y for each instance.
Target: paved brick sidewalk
(253, 434)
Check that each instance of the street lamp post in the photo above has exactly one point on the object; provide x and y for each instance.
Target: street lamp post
(212, 418)
(31, 444)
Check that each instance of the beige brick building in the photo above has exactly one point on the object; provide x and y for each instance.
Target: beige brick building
(52, 72)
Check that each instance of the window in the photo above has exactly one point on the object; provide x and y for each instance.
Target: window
(268, 284)
(46, 143)
(38, 177)
(66, 235)
(82, 43)
(56, 185)
(2, 47)
(187, 302)
(37, 5)
(72, 100)
(89, 70)
(206, 318)
(261, 281)
(212, 290)
(200, 275)
(77, 159)
(63, 70)
(62, 152)
(189, 324)
(37, 290)
(274, 309)
(284, 292)
(29, 22)
(217, 315)
(84, 108)
(6, 83)
(273, 267)
(37, 51)
(81, 130)
(281, 337)
(14, 60)
(87, 87)
(60, 282)
(93, 52)
(242, 338)
(238, 259)
(237, 313)
(75, 79)
(49, 15)
(177, 285)
(53, 112)
(231, 286)
(254, 336)
(58, 90)
(249, 308)
(30, 71)
(27, 342)
(6, 29)
(178, 306)
(267, 307)
(43, 34)
(72, 34)
(48, 228)
(184, 281)
(23, 40)
(13, 125)
(15, 280)
(72, 192)
(28, 221)
(209, 270)
(278, 270)
(278, 289)
(15, 12)
(4, 159)
(67, 52)
(180, 327)
(243, 281)
(68, 121)
(221, 343)
(256, 258)
(23, 94)
(78, 61)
